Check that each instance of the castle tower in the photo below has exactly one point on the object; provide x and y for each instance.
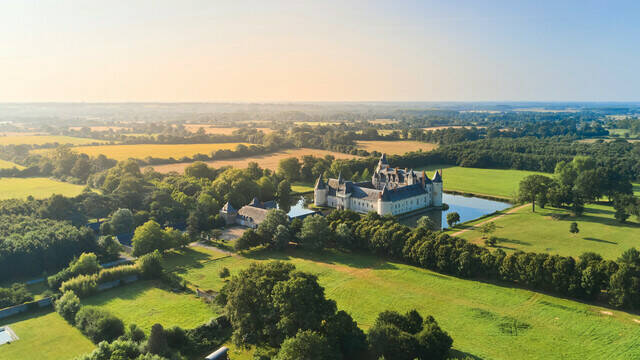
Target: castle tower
(320, 192)
(228, 213)
(437, 188)
(385, 204)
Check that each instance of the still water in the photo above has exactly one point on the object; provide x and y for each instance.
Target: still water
(469, 208)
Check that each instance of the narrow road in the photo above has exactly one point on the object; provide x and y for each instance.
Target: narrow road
(489, 220)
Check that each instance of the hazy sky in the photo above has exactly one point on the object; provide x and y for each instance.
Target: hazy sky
(319, 50)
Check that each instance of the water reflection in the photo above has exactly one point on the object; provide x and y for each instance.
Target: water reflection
(469, 208)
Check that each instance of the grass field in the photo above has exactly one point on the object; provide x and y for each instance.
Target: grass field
(44, 335)
(479, 316)
(8, 165)
(39, 188)
(163, 151)
(45, 139)
(493, 182)
(395, 147)
(267, 161)
(146, 303)
(599, 232)
(301, 187)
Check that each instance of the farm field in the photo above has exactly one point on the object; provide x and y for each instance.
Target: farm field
(37, 187)
(451, 127)
(162, 151)
(395, 147)
(266, 161)
(8, 165)
(146, 303)
(46, 139)
(43, 335)
(317, 123)
(493, 182)
(547, 230)
(208, 129)
(479, 316)
(300, 187)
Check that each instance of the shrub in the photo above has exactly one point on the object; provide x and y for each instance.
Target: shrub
(86, 264)
(224, 272)
(117, 273)
(157, 342)
(54, 281)
(81, 285)
(68, 305)
(15, 295)
(150, 265)
(99, 325)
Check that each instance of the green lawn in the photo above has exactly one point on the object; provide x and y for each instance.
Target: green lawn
(493, 182)
(479, 316)
(37, 187)
(43, 335)
(301, 187)
(146, 303)
(4, 164)
(599, 232)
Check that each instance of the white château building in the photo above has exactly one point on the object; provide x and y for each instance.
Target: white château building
(391, 191)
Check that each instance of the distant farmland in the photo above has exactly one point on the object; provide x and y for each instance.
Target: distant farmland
(395, 147)
(164, 151)
(39, 188)
(267, 161)
(208, 129)
(46, 139)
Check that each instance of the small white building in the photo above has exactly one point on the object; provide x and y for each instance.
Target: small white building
(391, 191)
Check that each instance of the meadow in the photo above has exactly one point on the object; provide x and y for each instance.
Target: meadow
(44, 335)
(146, 303)
(38, 187)
(8, 165)
(162, 151)
(493, 182)
(486, 321)
(547, 230)
(395, 147)
(46, 139)
(266, 161)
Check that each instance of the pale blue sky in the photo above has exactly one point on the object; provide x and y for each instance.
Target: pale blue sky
(319, 51)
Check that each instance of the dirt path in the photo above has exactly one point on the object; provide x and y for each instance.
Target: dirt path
(489, 220)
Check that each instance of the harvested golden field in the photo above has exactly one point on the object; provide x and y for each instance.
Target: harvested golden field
(395, 147)
(383, 121)
(141, 151)
(267, 161)
(209, 129)
(46, 139)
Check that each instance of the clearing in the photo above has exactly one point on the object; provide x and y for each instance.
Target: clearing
(493, 182)
(482, 318)
(547, 230)
(38, 187)
(43, 335)
(46, 139)
(266, 161)
(160, 151)
(395, 147)
(8, 165)
(147, 302)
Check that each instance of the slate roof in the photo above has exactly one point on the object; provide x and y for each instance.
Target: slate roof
(403, 192)
(320, 185)
(228, 208)
(437, 178)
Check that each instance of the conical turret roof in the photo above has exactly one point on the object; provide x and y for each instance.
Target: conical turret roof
(437, 178)
(228, 208)
(320, 184)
